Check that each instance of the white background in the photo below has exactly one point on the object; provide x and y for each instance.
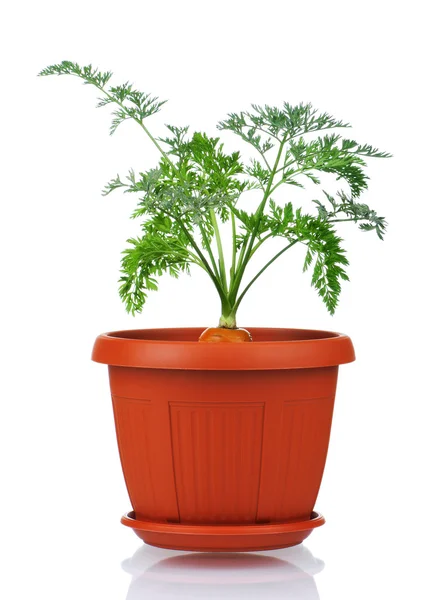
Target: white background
(375, 64)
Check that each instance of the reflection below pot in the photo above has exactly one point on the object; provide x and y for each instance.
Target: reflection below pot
(160, 574)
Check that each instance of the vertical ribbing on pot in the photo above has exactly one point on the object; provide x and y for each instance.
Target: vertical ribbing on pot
(216, 454)
(306, 424)
(295, 443)
(136, 415)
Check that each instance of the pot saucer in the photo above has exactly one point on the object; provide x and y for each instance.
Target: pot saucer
(223, 538)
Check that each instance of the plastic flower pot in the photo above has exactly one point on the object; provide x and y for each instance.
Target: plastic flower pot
(223, 446)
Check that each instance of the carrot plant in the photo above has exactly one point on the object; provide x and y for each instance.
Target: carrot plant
(196, 186)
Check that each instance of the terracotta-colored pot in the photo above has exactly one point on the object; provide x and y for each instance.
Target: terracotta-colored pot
(223, 446)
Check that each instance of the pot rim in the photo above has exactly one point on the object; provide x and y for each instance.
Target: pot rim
(177, 348)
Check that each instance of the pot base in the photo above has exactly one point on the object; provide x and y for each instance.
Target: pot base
(223, 538)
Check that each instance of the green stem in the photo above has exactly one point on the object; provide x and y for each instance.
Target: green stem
(233, 278)
(265, 161)
(258, 215)
(260, 242)
(234, 248)
(228, 317)
(242, 252)
(241, 256)
(220, 250)
(239, 300)
(158, 146)
(207, 245)
(186, 253)
(207, 267)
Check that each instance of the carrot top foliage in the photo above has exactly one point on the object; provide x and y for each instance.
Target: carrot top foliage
(196, 187)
